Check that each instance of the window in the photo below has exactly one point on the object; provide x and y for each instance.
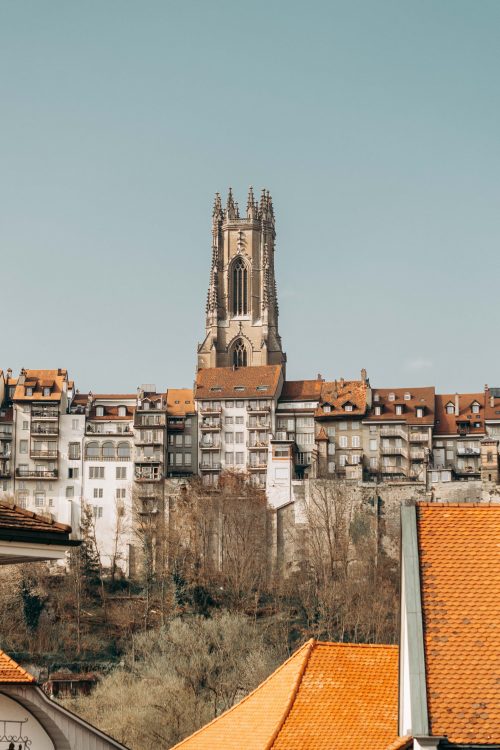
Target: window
(187, 441)
(240, 404)
(376, 397)
(331, 467)
(342, 460)
(98, 492)
(108, 449)
(378, 411)
(121, 493)
(347, 407)
(46, 391)
(355, 459)
(475, 408)
(188, 422)
(330, 431)
(74, 451)
(178, 459)
(229, 458)
(122, 411)
(92, 450)
(22, 499)
(99, 412)
(450, 409)
(327, 408)
(240, 288)
(420, 412)
(229, 404)
(356, 425)
(399, 408)
(97, 511)
(70, 491)
(75, 424)
(238, 420)
(331, 449)
(121, 472)
(23, 446)
(240, 458)
(178, 440)
(391, 397)
(373, 462)
(407, 396)
(229, 437)
(373, 444)
(239, 437)
(229, 420)
(39, 499)
(281, 453)
(123, 450)
(305, 438)
(187, 459)
(356, 441)
(343, 425)
(73, 472)
(343, 441)
(96, 472)
(26, 424)
(29, 391)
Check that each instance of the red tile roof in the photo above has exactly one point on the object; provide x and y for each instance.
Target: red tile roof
(327, 696)
(336, 394)
(301, 390)
(11, 672)
(389, 398)
(225, 382)
(180, 401)
(15, 519)
(38, 379)
(448, 424)
(459, 554)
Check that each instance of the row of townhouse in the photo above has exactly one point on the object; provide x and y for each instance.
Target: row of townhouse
(60, 448)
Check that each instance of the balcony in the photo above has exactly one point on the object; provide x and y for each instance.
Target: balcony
(43, 412)
(149, 459)
(258, 425)
(43, 453)
(5, 473)
(154, 420)
(108, 429)
(253, 444)
(176, 426)
(471, 470)
(215, 409)
(210, 445)
(302, 459)
(257, 466)
(148, 476)
(4, 435)
(393, 470)
(149, 440)
(463, 450)
(106, 457)
(258, 409)
(36, 473)
(396, 432)
(393, 450)
(417, 454)
(285, 435)
(210, 467)
(419, 437)
(210, 425)
(46, 428)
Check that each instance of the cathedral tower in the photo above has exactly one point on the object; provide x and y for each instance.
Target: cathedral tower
(242, 305)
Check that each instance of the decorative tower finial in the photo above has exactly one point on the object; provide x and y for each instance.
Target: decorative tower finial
(250, 204)
(230, 207)
(217, 212)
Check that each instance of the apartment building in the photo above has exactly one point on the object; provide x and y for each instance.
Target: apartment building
(295, 424)
(236, 417)
(398, 433)
(457, 435)
(339, 418)
(182, 433)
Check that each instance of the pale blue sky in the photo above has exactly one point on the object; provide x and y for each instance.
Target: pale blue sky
(374, 124)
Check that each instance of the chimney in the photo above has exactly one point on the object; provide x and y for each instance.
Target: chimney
(492, 401)
(363, 375)
(319, 376)
(457, 405)
(341, 382)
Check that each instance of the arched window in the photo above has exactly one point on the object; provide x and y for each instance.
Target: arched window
(240, 288)
(108, 450)
(239, 354)
(123, 450)
(92, 450)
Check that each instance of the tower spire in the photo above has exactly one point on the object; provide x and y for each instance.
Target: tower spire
(230, 205)
(250, 204)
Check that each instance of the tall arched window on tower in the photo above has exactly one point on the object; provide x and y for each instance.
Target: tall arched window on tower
(239, 354)
(240, 288)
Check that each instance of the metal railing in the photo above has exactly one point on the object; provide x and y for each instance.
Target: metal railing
(43, 453)
(101, 457)
(36, 473)
(394, 432)
(393, 450)
(44, 429)
(256, 409)
(211, 467)
(43, 413)
(418, 437)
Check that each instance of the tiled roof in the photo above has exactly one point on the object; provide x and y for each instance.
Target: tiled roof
(301, 390)
(13, 518)
(225, 382)
(492, 404)
(180, 401)
(10, 671)
(38, 379)
(336, 394)
(389, 398)
(111, 412)
(459, 556)
(447, 424)
(327, 696)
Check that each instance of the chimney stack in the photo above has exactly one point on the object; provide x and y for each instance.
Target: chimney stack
(457, 405)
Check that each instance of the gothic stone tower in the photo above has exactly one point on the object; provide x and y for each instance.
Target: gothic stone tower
(242, 305)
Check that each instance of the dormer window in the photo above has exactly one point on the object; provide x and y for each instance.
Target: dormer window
(407, 397)
(420, 412)
(391, 397)
(29, 391)
(46, 391)
(327, 408)
(475, 407)
(378, 411)
(376, 397)
(450, 409)
(99, 411)
(347, 407)
(399, 408)
(122, 411)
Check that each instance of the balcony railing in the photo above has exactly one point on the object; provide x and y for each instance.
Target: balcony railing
(102, 457)
(257, 466)
(108, 429)
(394, 432)
(43, 453)
(418, 437)
(44, 429)
(149, 459)
(393, 470)
(211, 409)
(285, 435)
(207, 426)
(252, 444)
(176, 426)
(36, 473)
(259, 425)
(258, 409)
(5, 473)
(41, 412)
(466, 451)
(211, 467)
(147, 477)
(5, 435)
(158, 420)
(393, 450)
(417, 454)
(208, 446)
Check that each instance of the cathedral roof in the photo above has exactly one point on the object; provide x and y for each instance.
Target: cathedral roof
(240, 382)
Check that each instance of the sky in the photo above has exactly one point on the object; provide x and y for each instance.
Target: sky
(375, 125)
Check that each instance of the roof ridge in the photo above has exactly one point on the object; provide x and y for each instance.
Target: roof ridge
(356, 645)
(456, 504)
(30, 514)
(304, 647)
(308, 648)
(14, 665)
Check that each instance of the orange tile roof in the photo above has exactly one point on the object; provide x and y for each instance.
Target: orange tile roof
(340, 392)
(327, 696)
(13, 518)
(421, 397)
(37, 379)
(459, 555)
(10, 671)
(220, 382)
(301, 390)
(180, 401)
(447, 424)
